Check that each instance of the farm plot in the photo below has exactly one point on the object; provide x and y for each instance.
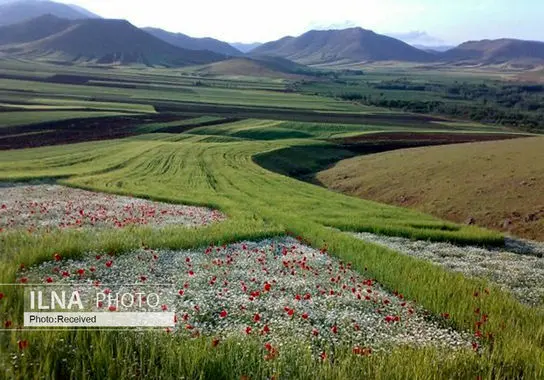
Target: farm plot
(52, 206)
(510, 267)
(278, 290)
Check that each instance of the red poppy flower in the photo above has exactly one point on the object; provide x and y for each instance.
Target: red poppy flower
(304, 316)
(1, 296)
(57, 257)
(109, 263)
(215, 342)
(181, 292)
(267, 287)
(256, 318)
(223, 314)
(7, 324)
(334, 329)
(22, 344)
(49, 280)
(164, 307)
(112, 308)
(248, 330)
(266, 329)
(315, 332)
(23, 280)
(323, 356)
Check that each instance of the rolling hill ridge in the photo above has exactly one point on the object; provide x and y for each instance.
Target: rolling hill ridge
(264, 66)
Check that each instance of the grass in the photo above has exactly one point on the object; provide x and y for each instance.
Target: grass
(127, 107)
(489, 181)
(196, 121)
(10, 119)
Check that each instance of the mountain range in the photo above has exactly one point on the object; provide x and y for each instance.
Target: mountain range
(61, 32)
(100, 41)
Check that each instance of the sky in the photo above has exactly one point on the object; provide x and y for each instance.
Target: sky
(436, 21)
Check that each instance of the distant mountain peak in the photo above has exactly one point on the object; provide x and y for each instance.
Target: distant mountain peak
(354, 44)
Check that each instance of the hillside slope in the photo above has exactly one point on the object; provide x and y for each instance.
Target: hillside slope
(502, 51)
(497, 184)
(187, 42)
(348, 45)
(19, 11)
(96, 40)
(271, 67)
